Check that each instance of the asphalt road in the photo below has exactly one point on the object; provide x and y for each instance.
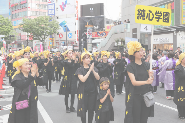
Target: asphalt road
(51, 108)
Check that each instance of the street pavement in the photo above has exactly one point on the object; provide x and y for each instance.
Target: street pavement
(51, 107)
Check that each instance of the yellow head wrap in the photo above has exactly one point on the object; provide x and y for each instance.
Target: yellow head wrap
(17, 53)
(13, 56)
(27, 49)
(46, 53)
(31, 55)
(117, 54)
(95, 53)
(86, 52)
(19, 63)
(181, 57)
(133, 47)
(105, 53)
(65, 52)
(36, 53)
(102, 84)
(10, 54)
(22, 51)
(41, 53)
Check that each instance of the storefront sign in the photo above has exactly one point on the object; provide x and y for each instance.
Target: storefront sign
(183, 11)
(163, 39)
(100, 34)
(152, 15)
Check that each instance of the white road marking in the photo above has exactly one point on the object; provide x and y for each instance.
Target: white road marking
(4, 118)
(162, 105)
(44, 114)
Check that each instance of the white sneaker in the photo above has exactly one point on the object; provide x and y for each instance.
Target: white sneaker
(168, 98)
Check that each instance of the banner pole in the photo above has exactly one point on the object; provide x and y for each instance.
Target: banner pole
(151, 47)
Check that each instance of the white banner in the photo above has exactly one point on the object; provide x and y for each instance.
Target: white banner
(66, 7)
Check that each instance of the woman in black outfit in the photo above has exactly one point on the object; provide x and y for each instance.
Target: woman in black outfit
(10, 67)
(138, 83)
(105, 69)
(24, 82)
(69, 82)
(48, 69)
(119, 66)
(179, 94)
(87, 88)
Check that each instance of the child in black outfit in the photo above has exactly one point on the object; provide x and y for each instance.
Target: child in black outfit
(104, 112)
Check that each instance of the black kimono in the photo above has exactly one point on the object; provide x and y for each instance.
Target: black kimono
(104, 111)
(10, 70)
(179, 94)
(134, 94)
(21, 87)
(105, 70)
(87, 94)
(58, 67)
(118, 72)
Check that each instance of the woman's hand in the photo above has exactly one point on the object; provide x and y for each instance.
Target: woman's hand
(150, 80)
(92, 67)
(151, 74)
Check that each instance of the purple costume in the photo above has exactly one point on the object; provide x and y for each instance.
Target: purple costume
(163, 59)
(155, 67)
(167, 73)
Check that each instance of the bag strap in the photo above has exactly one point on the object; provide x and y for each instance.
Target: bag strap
(29, 92)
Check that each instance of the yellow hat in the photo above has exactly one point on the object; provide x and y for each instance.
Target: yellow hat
(181, 57)
(27, 49)
(117, 54)
(133, 46)
(105, 53)
(19, 63)
(86, 52)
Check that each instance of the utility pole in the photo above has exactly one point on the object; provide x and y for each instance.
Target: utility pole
(66, 38)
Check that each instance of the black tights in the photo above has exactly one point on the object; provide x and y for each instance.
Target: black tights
(58, 74)
(49, 74)
(119, 88)
(72, 100)
(10, 79)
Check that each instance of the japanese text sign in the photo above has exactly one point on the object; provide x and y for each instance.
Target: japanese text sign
(152, 15)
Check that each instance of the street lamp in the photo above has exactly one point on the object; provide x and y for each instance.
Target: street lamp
(66, 36)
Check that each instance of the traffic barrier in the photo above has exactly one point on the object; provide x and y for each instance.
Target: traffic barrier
(1, 80)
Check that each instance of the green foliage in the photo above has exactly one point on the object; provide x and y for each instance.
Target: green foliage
(40, 28)
(5, 26)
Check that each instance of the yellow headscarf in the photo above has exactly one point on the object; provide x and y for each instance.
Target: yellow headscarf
(31, 55)
(41, 53)
(46, 53)
(117, 54)
(65, 52)
(22, 51)
(10, 54)
(19, 63)
(105, 53)
(181, 57)
(17, 53)
(95, 53)
(133, 46)
(35, 53)
(27, 49)
(86, 52)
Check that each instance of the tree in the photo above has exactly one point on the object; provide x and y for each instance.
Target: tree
(40, 28)
(5, 26)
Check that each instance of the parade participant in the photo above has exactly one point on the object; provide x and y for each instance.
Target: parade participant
(69, 83)
(119, 66)
(57, 66)
(137, 84)
(105, 69)
(161, 62)
(25, 89)
(48, 70)
(155, 68)
(26, 53)
(179, 94)
(111, 59)
(87, 88)
(104, 111)
(17, 55)
(40, 64)
(10, 67)
(167, 73)
(35, 58)
(96, 60)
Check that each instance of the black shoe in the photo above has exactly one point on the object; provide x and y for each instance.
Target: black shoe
(162, 87)
(68, 110)
(72, 109)
(47, 91)
(182, 118)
